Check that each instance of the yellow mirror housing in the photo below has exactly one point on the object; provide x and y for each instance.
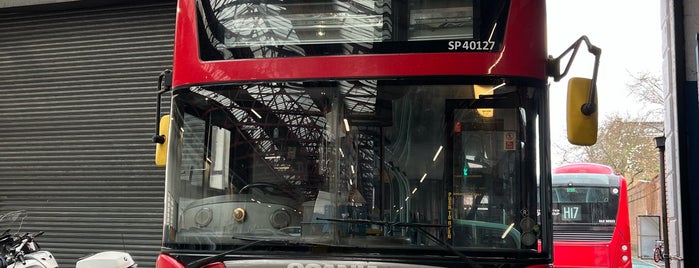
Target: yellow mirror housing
(161, 148)
(582, 129)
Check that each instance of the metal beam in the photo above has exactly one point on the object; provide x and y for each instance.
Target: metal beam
(10, 6)
(25, 3)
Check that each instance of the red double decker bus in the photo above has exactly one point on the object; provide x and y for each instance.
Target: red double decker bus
(591, 217)
(362, 133)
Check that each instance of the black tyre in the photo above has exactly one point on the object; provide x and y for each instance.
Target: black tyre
(657, 255)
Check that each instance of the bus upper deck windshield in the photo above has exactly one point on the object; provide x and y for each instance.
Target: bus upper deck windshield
(239, 29)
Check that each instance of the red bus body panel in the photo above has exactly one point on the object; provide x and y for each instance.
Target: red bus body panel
(597, 254)
(166, 261)
(523, 55)
(581, 254)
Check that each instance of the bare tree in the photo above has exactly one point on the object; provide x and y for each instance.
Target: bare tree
(648, 89)
(626, 144)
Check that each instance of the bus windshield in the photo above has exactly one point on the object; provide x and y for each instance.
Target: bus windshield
(585, 199)
(359, 164)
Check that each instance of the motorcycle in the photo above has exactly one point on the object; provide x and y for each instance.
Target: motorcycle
(22, 251)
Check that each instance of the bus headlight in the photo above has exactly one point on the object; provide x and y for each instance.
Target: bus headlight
(624, 247)
(625, 258)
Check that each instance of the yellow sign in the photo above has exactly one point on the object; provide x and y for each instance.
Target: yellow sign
(479, 90)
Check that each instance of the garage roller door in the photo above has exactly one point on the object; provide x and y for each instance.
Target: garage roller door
(77, 105)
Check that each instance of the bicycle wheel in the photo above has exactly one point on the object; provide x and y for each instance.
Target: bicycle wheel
(657, 255)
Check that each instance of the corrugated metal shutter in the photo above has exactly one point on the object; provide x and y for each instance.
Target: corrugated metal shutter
(77, 104)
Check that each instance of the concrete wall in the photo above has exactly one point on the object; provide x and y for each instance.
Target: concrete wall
(680, 25)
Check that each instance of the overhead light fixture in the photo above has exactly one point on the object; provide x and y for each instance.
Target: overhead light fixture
(347, 126)
(437, 154)
(498, 86)
(492, 31)
(256, 114)
(507, 231)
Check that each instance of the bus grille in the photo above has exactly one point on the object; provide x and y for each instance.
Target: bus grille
(582, 236)
(583, 232)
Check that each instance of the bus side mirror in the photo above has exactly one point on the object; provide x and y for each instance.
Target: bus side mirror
(161, 141)
(582, 122)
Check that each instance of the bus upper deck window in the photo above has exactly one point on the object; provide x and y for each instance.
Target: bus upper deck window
(432, 19)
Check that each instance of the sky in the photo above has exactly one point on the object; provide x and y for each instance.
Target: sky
(629, 34)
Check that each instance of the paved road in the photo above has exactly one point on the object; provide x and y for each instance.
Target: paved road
(638, 263)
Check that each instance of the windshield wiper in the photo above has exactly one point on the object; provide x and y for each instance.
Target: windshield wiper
(294, 241)
(419, 227)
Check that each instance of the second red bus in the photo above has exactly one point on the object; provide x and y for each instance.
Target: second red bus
(591, 217)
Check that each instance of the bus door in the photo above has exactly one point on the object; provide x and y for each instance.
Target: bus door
(486, 204)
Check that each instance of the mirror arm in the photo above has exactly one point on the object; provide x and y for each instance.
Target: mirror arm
(591, 106)
(164, 85)
(553, 69)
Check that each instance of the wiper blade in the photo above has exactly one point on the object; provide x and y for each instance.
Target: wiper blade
(253, 241)
(419, 227)
(274, 240)
(384, 223)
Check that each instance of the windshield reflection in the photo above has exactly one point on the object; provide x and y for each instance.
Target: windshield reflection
(354, 163)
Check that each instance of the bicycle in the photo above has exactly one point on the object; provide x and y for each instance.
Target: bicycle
(658, 251)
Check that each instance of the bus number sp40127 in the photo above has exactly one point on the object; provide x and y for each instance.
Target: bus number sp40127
(471, 45)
